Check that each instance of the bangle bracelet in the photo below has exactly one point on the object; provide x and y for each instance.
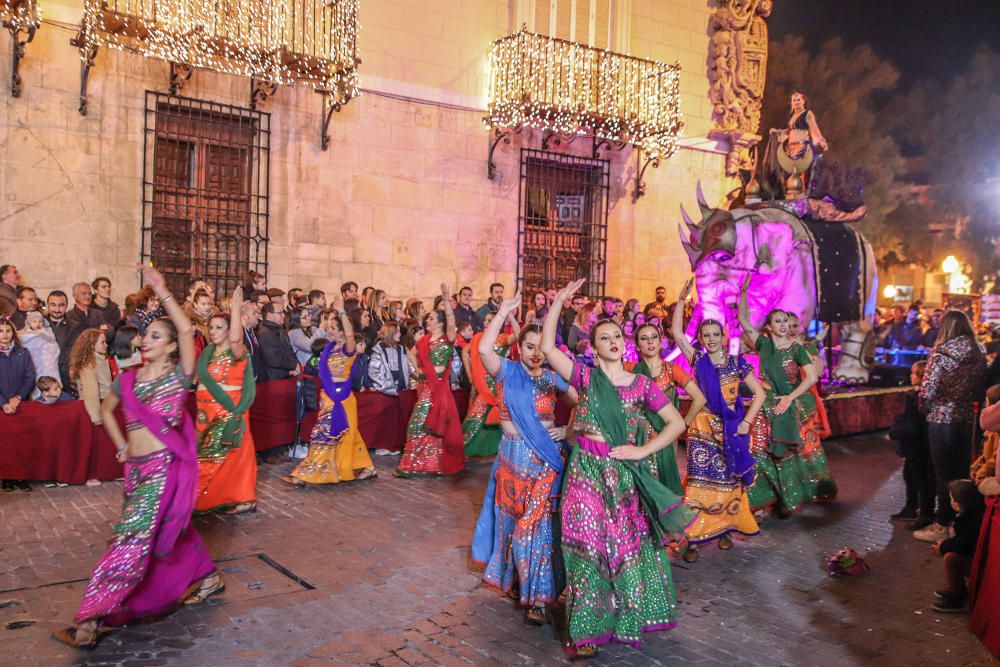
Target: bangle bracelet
(167, 298)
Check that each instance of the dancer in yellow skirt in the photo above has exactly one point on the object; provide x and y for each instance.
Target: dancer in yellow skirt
(337, 452)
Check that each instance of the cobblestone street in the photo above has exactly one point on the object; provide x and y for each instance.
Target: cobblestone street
(377, 573)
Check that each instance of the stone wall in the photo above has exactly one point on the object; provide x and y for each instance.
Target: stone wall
(400, 200)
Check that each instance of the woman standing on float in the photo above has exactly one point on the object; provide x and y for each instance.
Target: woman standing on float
(514, 535)
(227, 462)
(616, 516)
(720, 467)
(782, 481)
(434, 436)
(155, 559)
(337, 452)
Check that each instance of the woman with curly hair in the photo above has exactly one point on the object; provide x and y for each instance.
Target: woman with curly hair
(90, 371)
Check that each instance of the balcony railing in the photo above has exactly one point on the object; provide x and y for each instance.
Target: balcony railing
(312, 42)
(569, 88)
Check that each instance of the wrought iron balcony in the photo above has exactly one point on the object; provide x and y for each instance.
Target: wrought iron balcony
(312, 42)
(571, 89)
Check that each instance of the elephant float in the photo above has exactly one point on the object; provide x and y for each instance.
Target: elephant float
(816, 269)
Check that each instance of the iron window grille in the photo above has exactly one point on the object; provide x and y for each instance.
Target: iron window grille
(562, 229)
(205, 194)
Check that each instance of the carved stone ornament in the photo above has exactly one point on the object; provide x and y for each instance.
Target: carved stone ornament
(737, 73)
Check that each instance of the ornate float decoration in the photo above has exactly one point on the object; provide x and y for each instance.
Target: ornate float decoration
(272, 42)
(568, 90)
(21, 18)
(736, 74)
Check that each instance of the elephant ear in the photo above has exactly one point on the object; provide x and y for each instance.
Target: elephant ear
(765, 256)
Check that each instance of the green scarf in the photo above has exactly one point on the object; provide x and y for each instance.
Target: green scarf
(224, 434)
(666, 458)
(785, 431)
(667, 513)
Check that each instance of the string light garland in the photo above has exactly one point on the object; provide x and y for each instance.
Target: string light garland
(20, 15)
(569, 88)
(310, 42)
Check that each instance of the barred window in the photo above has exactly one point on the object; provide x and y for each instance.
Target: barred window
(598, 23)
(205, 191)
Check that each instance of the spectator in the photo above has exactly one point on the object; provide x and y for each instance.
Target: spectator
(378, 313)
(90, 371)
(619, 315)
(951, 382)
(415, 310)
(194, 286)
(40, 342)
(569, 315)
(465, 312)
(579, 333)
(658, 306)
(907, 333)
(958, 550)
(632, 307)
(396, 313)
(302, 333)
(276, 352)
(126, 352)
(276, 297)
(986, 465)
(359, 371)
(349, 290)
(251, 318)
(200, 310)
(10, 277)
(366, 297)
(49, 391)
(317, 304)
(909, 431)
(930, 336)
(295, 298)
(260, 299)
(147, 309)
(608, 307)
(17, 371)
(27, 302)
(255, 282)
(539, 308)
(110, 311)
(388, 367)
(57, 304)
(81, 316)
(492, 304)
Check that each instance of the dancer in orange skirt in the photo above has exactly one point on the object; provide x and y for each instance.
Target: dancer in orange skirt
(227, 463)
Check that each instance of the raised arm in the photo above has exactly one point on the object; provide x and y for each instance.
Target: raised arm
(449, 314)
(744, 313)
(345, 324)
(492, 360)
(677, 323)
(185, 330)
(236, 323)
(560, 363)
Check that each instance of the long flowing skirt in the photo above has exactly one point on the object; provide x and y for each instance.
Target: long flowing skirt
(523, 524)
(984, 582)
(229, 481)
(781, 480)
(720, 500)
(131, 582)
(335, 457)
(423, 450)
(480, 438)
(618, 580)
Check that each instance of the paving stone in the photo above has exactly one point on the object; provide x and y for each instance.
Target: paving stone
(393, 584)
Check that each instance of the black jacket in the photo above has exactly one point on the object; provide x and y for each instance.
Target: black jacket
(966, 526)
(909, 430)
(276, 353)
(253, 349)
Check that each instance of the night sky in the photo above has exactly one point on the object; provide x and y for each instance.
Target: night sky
(924, 38)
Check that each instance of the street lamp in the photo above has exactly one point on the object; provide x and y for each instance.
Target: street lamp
(950, 264)
(890, 292)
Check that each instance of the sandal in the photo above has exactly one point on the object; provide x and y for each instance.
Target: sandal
(367, 473)
(210, 585)
(726, 542)
(535, 615)
(291, 480)
(248, 507)
(691, 555)
(583, 652)
(81, 638)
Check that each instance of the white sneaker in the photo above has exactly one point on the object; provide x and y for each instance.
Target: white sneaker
(932, 533)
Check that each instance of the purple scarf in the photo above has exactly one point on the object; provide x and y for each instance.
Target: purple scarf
(179, 495)
(736, 448)
(337, 391)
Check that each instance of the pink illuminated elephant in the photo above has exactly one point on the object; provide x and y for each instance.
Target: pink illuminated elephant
(777, 248)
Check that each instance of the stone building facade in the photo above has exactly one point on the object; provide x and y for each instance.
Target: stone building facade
(401, 198)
